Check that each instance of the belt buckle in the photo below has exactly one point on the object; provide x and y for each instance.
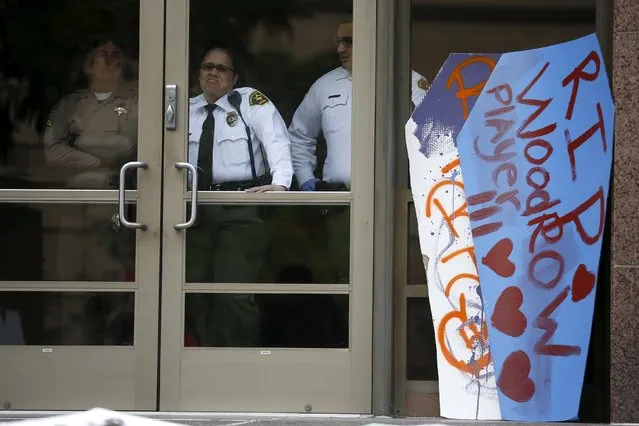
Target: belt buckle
(216, 187)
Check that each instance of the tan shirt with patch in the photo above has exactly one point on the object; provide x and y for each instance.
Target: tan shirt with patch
(85, 133)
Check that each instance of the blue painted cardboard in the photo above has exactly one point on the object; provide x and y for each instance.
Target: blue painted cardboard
(536, 155)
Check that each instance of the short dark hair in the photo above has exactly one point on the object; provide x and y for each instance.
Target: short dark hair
(217, 46)
(197, 58)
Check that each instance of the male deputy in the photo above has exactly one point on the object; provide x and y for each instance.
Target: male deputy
(89, 135)
(326, 109)
(92, 132)
(238, 142)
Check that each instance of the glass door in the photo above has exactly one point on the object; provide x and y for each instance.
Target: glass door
(126, 285)
(267, 297)
(80, 172)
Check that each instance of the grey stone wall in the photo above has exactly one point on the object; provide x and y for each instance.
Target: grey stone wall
(624, 310)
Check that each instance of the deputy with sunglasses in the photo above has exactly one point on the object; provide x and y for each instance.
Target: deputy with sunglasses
(237, 137)
(326, 109)
(238, 141)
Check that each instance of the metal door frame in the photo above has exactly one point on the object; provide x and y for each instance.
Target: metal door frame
(360, 200)
(138, 363)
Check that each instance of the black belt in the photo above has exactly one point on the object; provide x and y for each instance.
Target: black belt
(242, 185)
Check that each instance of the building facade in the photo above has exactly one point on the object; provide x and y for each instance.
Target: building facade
(95, 293)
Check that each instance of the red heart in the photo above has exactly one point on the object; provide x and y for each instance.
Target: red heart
(497, 258)
(507, 317)
(583, 282)
(513, 380)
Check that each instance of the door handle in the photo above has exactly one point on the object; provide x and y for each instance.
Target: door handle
(193, 217)
(121, 191)
(170, 107)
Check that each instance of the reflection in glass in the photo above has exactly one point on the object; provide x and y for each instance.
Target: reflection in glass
(65, 242)
(68, 94)
(66, 318)
(269, 244)
(416, 267)
(282, 48)
(421, 353)
(266, 320)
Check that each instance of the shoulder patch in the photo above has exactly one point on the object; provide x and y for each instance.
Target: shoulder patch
(257, 98)
(49, 122)
(423, 84)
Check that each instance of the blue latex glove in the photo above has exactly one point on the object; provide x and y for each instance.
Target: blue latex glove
(309, 185)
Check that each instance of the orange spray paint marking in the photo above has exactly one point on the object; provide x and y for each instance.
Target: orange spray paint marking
(456, 278)
(469, 333)
(469, 250)
(456, 76)
(450, 166)
(475, 366)
(461, 211)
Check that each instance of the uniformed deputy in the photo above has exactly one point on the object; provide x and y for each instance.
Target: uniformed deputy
(92, 132)
(89, 135)
(239, 142)
(326, 108)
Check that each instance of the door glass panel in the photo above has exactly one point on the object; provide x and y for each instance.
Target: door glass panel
(51, 318)
(65, 242)
(269, 244)
(266, 320)
(421, 354)
(68, 94)
(275, 56)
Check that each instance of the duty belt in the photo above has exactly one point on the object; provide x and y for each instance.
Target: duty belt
(242, 185)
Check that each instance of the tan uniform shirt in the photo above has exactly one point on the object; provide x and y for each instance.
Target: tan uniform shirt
(94, 136)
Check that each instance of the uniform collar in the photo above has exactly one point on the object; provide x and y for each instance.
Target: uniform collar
(199, 101)
(122, 91)
(342, 73)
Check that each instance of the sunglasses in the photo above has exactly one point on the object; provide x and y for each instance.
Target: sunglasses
(347, 41)
(209, 66)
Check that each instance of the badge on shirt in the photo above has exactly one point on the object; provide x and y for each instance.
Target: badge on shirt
(257, 98)
(231, 118)
(120, 110)
(423, 84)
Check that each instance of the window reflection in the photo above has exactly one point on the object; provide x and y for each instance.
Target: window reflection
(269, 244)
(266, 320)
(65, 242)
(68, 94)
(91, 133)
(66, 318)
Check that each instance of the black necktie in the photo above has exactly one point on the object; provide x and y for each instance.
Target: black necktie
(205, 153)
